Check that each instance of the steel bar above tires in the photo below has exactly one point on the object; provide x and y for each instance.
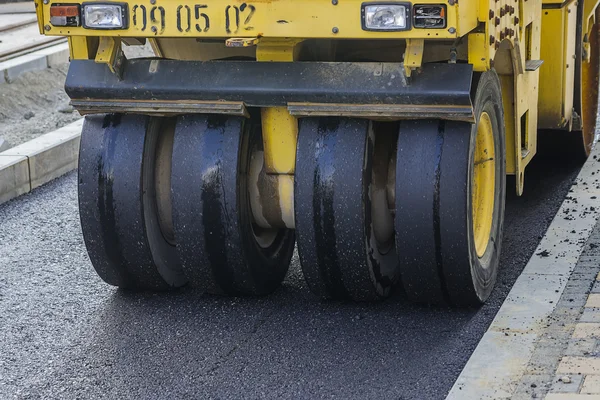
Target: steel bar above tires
(443, 89)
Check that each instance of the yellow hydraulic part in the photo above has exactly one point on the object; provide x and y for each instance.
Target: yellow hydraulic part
(286, 199)
(280, 135)
(271, 195)
(279, 128)
(483, 185)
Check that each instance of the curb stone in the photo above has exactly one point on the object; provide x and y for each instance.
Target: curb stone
(14, 177)
(40, 59)
(31, 164)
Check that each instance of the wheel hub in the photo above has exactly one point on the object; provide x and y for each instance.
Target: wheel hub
(483, 184)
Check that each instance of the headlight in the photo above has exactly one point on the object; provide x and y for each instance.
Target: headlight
(385, 17)
(104, 16)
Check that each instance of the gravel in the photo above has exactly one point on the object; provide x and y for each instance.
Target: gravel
(29, 106)
(36, 103)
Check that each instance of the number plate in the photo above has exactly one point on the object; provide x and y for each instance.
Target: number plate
(224, 20)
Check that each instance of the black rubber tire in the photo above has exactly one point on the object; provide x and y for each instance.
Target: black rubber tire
(417, 209)
(434, 220)
(211, 211)
(579, 142)
(333, 212)
(117, 205)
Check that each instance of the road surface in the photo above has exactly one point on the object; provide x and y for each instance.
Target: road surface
(66, 334)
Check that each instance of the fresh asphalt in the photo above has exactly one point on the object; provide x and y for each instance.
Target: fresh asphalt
(66, 334)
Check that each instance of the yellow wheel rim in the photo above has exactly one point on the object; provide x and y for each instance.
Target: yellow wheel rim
(483, 185)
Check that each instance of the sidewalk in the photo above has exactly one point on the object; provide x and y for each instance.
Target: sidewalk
(13, 7)
(565, 364)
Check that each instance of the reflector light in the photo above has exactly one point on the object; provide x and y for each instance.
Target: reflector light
(429, 16)
(64, 11)
(65, 15)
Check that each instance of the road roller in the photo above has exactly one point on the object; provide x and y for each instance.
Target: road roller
(373, 137)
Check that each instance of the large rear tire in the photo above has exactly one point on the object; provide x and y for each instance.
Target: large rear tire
(587, 75)
(450, 193)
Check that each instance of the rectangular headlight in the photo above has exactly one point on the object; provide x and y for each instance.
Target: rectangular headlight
(385, 16)
(104, 15)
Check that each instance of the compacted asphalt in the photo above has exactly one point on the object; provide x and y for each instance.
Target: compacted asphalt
(66, 334)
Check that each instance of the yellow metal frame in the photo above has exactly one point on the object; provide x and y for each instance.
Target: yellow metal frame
(273, 19)
(39, 14)
(512, 38)
(280, 131)
(279, 128)
(500, 34)
(555, 102)
(82, 47)
(109, 52)
(479, 52)
(280, 136)
(282, 50)
(413, 56)
(589, 9)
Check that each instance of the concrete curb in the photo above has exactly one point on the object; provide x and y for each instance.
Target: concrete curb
(501, 357)
(48, 57)
(31, 164)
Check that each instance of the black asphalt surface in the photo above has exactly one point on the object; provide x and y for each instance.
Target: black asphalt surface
(66, 334)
